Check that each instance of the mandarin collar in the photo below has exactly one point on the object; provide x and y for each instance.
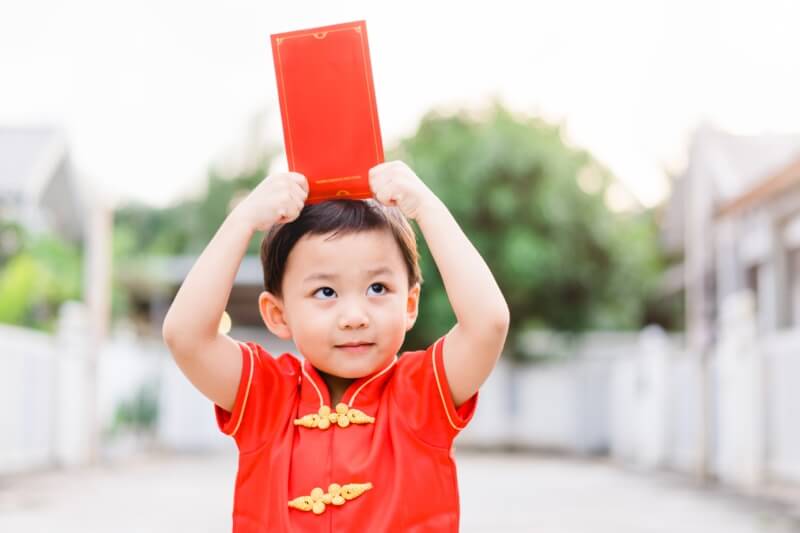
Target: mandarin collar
(314, 391)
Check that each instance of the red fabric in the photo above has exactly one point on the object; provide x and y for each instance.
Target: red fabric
(327, 98)
(406, 453)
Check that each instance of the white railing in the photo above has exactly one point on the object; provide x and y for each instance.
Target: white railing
(27, 379)
(561, 405)
(782, 355)
(643, 402)
(44, 389)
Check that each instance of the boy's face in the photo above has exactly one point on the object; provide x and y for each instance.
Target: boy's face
(352, 288)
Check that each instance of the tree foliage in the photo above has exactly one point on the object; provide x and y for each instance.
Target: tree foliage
(186, 227)
(37, 274)
(561, 258)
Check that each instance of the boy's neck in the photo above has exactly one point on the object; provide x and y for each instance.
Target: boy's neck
(336, 386)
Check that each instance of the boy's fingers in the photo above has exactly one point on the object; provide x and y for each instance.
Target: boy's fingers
(386, 182)
(289, 212)
(298, 190)
(300, 179)
(377, 180)
(298, 195)
(384, 196)
(378, 169)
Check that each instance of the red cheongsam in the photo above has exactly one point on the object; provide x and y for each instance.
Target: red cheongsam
(379, 461)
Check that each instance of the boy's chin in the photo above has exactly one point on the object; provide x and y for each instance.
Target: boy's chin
(355, 367)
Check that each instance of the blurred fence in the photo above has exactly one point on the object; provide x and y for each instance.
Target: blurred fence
(640, 398)
(44, 383)
(27, 397)
(635, 396)
(56, 394)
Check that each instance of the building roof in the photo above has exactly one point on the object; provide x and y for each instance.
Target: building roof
(28, 156)
(736, 163)
(731, 165)
(37, 182)
(782, 181)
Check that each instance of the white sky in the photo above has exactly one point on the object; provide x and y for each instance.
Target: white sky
(150, 93)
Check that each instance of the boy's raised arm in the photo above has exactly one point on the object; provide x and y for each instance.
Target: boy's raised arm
(473, 346)
(210, 360)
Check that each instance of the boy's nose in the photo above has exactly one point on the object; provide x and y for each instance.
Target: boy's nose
(353, 319)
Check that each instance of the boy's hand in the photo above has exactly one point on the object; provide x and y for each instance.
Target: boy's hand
(278, 199)
(395, 184)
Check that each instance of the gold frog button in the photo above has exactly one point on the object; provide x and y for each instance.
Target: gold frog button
(343, 416)
(318, 500)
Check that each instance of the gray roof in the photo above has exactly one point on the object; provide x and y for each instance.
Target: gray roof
(736, 163)
(36, 173)
(732, 165)
(27, 157)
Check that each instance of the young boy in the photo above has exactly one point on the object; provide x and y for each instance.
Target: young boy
(353, 438)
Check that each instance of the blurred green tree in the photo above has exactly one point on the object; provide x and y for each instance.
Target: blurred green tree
(188, 226)
(37, 274)
(141, 231)
(563, 260)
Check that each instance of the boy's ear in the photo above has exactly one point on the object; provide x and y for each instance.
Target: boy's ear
(412, 306)
(272, 313)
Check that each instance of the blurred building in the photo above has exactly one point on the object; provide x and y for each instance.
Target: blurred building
(153, 283)
(38, 186)
(727, 396)
(732, 223)
(757, 246)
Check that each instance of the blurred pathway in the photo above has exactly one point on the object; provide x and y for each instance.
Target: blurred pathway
(499, 494)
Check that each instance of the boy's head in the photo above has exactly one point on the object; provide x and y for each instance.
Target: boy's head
(344, 271)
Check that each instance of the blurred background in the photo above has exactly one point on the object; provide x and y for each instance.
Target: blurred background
(629, 170)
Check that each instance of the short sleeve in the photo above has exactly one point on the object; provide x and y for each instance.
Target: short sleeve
(266, 389)
(422, 395)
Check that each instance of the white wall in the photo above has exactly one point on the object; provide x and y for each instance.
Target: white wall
(781, 353)
(685, 419)
(491, 425)
(43, 384)
(739, 371)
(27, 399)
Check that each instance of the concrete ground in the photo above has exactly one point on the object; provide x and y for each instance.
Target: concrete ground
(499, 493)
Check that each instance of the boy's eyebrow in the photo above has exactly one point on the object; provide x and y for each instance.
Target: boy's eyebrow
(329, 277)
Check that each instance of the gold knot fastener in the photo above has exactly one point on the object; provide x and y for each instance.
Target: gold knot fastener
(336, 495)
(343, 416)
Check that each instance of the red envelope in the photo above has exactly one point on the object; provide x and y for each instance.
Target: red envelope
(330, 119)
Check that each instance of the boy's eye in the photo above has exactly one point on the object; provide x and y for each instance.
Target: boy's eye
(379, 287)
(326, 291)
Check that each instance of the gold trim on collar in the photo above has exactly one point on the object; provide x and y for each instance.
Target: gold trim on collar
(370, 380)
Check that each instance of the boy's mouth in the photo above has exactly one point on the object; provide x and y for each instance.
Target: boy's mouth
(355, 346)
